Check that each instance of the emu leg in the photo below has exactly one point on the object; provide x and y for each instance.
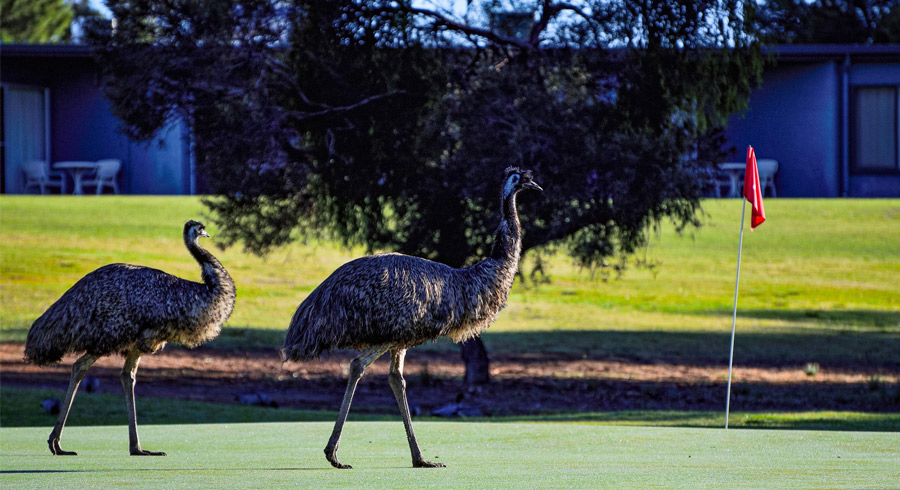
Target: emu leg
(79, 371)
(398, 385)
(357, 369)
(129, 370)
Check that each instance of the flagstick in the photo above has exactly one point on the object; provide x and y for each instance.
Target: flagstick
(734, 313)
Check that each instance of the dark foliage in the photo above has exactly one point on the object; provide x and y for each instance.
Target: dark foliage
(830, 21)
(387, 125)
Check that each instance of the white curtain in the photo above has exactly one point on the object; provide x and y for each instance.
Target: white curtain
(25, 128)
(875, 138)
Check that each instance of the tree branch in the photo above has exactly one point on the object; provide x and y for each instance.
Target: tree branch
(444, 21)
(299, 116)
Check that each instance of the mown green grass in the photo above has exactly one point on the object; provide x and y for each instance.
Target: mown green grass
(478, 455)
(818, 283)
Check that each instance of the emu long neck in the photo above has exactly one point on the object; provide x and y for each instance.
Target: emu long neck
(508, 238)
(213, 273)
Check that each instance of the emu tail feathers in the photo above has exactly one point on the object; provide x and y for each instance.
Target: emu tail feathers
(41, 346)
(301, 342)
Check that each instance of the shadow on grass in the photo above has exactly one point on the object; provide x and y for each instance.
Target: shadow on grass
(852, 320)
(834, 349)
(889, 422)
(872, 346)
(155, 470)
(230, 338)
(848, 339)
(21, 407)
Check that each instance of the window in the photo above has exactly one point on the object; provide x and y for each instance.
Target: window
(875, 143)
(25, 131)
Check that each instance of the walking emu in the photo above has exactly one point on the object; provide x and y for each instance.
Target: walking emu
(391, 302)
(132, 310)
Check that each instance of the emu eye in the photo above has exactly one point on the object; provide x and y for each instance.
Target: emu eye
(515, 179)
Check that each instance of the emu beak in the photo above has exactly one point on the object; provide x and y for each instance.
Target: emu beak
(204, 233)
(532, 185)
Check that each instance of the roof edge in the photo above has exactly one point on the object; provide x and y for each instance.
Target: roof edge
(780, 51)
(47, 50)
(832, 51)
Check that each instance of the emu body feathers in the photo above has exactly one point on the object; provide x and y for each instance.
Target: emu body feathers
(120, 306)
(398, 300)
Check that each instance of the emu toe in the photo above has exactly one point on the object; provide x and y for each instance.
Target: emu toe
(55, 449)
(331, 456)
(143, 452)
(428, 464)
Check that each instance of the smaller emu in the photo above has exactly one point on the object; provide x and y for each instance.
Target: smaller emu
(391, 302)
(132, 310)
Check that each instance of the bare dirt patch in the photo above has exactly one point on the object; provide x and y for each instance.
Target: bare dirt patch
(522, 384)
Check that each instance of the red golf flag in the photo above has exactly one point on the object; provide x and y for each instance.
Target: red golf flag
(752, 191)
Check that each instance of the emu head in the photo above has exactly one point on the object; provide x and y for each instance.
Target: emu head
(193, 230)
(517, 180)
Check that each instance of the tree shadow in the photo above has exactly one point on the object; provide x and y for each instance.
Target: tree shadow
(885, 321)
(155, 470)
(835, 349)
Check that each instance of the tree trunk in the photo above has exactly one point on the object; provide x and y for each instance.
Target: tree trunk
(475, 357)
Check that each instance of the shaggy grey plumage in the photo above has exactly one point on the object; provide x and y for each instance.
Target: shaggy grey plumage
(132, 310)
(391, 302)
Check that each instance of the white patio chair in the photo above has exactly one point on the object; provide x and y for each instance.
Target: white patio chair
(719, 181)
(105, 176)
(767, 170)
(38, 173)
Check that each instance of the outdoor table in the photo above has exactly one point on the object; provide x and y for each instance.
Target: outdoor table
(77, 169)
(734, 170)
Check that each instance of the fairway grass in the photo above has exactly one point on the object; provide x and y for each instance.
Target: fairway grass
(819, 285)
(478, 455)
(819, 280)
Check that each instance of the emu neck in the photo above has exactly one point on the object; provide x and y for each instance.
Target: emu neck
(213, 273)
(508, 238)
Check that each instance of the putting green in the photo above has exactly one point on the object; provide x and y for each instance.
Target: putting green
(478, 455)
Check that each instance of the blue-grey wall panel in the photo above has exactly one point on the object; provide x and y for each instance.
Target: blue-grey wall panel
(793, 118)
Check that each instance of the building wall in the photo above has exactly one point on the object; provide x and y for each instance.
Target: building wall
(797, 117)
(875, 184)
(82, 127)
(793, 118)
(160, 165)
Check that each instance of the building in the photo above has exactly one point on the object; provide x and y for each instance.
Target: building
(830, 115)
(53, 109)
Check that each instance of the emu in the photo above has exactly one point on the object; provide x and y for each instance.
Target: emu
(391, 302)
(132, 310)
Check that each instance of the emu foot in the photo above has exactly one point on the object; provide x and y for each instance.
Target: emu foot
(53, 442)
(136, 451)
(427, 464)
(331, 456)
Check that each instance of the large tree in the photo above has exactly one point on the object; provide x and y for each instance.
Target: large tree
(388, 125)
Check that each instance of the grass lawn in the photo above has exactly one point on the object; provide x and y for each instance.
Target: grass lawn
(819, 281)
(819, 284)
(478, 455)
